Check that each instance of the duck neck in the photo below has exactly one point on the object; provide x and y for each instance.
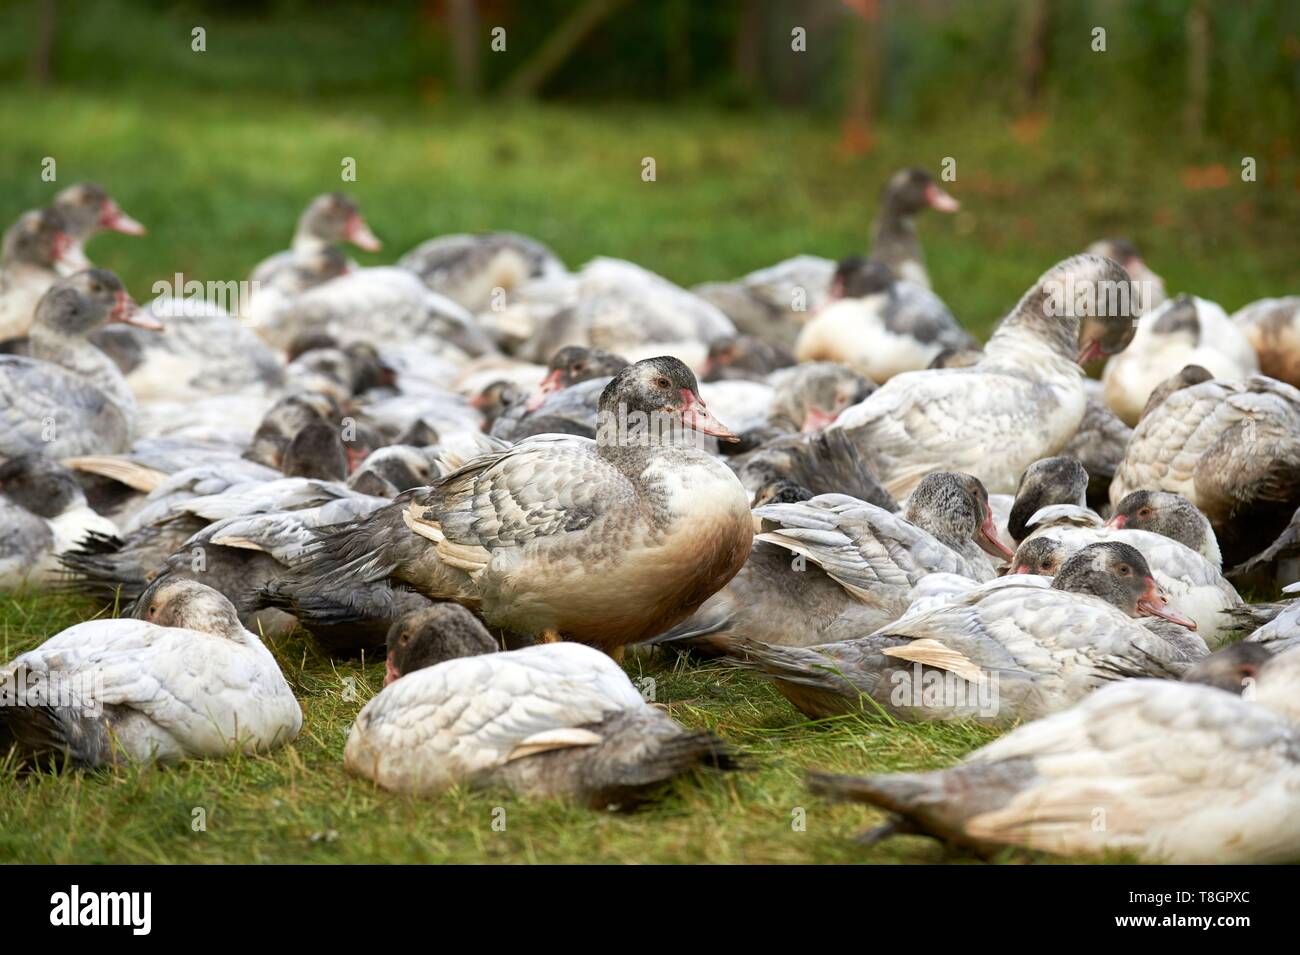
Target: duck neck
(1030, 328)
(894, 242)
(306, 242)
(83, 359)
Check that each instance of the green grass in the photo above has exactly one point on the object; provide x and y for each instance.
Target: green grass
(220, 179)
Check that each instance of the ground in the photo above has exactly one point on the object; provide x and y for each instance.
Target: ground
(219, 180)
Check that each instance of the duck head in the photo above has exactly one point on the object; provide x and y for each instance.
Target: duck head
(333, 218)
(857, 276)
(571, 365)
(812, 395)
(1118, 574)
(85, 301)
(744, 356)
(1058, 480)
(1042, 555)
(1165, 513)
(1186, 377)
(42, 238)
(40, 485)
(87, 208)
(1232, 669)
(432, 635)
(954, 507)
(494, 399)
(177, 602)
(651, 402)
(913, 190)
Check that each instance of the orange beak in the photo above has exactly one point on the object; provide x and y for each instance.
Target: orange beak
(695, 415)
(549, 385)
(1155, 604)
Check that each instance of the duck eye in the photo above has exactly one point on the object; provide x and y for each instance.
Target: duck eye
(1144, 512)
(1125, 570)
(662, 382)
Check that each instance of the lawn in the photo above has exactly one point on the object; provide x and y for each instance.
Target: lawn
(219, 181)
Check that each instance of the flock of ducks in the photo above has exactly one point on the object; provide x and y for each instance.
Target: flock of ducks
(505, 473)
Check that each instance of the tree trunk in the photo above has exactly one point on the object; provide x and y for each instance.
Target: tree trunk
(1198, 69)
(43, 50)
(559, 46)
(465, 43)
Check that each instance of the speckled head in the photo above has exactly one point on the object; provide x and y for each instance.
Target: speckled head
(84, 302)
(334, 217)
(40, 485)
(1168, 514)
(433, 635)
(573, 364)
(1058, 480)
(812, 395)
(1120, 575)
(1234, 668)
(1042, 555)
(87, 208)
(954, 507)
(908, 191)
(1086, 305)
(650, 403)
(41, 237)
(176, 602)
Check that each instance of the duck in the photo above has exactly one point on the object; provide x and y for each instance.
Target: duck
(69, 398)
(1014, 648)
(432, 635)
(330, 219)
(35, 250)
(1232, 448)
(87, 209)
(45, 514)
(894, 242)
(1183, 331)
(879, 325)
(604, 542)
(1272, 326)
(772, 303)
(557, 721)
(1022, 401)
(1051, 481)
(1151, 287)
(1182, 773)
(470, 269)
(745, 357)
(567, 400)
(833, 567)
(183, 681)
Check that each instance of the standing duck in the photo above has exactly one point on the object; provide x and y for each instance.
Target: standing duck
(1232, 448)
(552, 721)
(35, 250)
(1184, 331)
(894, 242)
(469, 269)
(1272, 325)
(68, 398)
(605, 542)
(1173, 772)
(88, 210)
(1010, 649)
(185, 681)
(878, 325)
(1023, 400)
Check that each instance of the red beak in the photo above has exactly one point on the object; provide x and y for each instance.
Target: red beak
(936, 198)
(1022, 569)
(1155, 604)
(126, 312)
(816, 419)
(1090, 351)
(695, 415)
(68, 251)
(549, 385)
(359, 234)
(355, 456)
(1118, 521)
(113, 218)
(988, 541)
(390, 671)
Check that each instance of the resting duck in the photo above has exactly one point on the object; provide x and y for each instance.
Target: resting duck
(545, 721)
(44, 514)
(1172, 772)
(88, 210)
(1023, 400)
(185, 681)
(1183, 331)
(36, 249)
(833, 567)
(68, 398)
(1051, 481)
(879, 326)
(605, 542)
(1232, 448)
(894, 242)
(1150, 286)
(432, 635)
(329, 220)
(469, 269)
(1272, 326)
(1010, 649)
(568, 398)
(1193, 583)
(770, 304)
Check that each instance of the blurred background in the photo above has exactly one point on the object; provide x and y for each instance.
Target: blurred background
(773, 126)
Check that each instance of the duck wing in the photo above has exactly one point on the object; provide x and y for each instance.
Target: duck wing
(52, 411)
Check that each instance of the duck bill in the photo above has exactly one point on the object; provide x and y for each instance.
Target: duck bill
(359, 234)
(1089, 351)
(816, 419)
(390, 671)
(68, 253)
(696, 416)
(1118, 521)
(988, 541)
(937, 199)
(1021, 569)
(126, 312)
(550, 384)
(1152, 604)
(114, 219)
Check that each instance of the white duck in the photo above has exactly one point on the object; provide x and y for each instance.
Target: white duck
(607, 542)
(1282, 633)
(1150, 286)
(1173, 772)
(548, 721)
(1272, 325)
(88, 210)
(43, 513)
(186, 681)
(69, 398)
(1183, 331)
(879, 326)
(773, 302)
(329, 220)
(36, 248)
(1003, 651)
(1232, 448)
(470, 269)
(1023, 400)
